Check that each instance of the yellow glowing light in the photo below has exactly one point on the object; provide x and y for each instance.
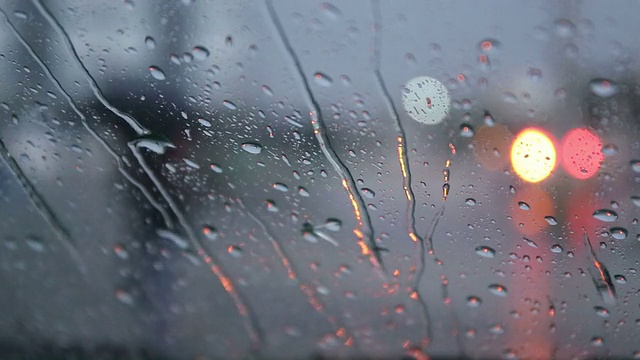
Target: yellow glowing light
(533, 155)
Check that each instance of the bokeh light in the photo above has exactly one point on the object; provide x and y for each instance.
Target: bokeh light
(491, 146)
(533, 155)
(581, 153)
(530, 220)
(426, 100)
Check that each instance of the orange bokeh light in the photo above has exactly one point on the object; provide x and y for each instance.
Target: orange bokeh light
(491, 146)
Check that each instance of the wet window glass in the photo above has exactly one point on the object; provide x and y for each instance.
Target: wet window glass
(202, 179)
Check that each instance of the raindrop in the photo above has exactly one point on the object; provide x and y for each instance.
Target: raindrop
(473, 301)
(635, 166)
(620, 279)
(470, 201)
(155, 143)
(191, 164)
(636, 200)
(497, 289)
(229, 105)
(280, 187)
(609, 150)
(234, 251)
(150, 42)
(530, 243)
(485, 251)
(603, 88)
(605, 215)
(556, 248)
(333, 224)
(551, 220)
(252, 148)
(267, 90)
(157, 73)
(271, 206)
(124, 296)
(35, 244)
(173, 237)
(210, 232)
(523, 205)
(466, 130)
(322, 79)
(200, 53)
(302, 191)
(619, 233)
(368, 193)
(534, 74)
(121, 251)
(597, 341)
(488, 119)
(564, 28)
(204, 122)
(602, 312)
(330, 11)
(496, 329)
(216, 168)
(20, 15)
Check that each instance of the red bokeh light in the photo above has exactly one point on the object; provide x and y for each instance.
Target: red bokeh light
(581, 153)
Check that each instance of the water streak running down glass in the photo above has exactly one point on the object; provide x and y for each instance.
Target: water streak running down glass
(204, 179)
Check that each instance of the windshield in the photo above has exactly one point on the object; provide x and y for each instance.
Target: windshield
(298, 179)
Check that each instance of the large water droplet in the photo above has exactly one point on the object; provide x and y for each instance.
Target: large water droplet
(635, 200)
(280, 187)
(605, 215)
(157, 73)
(530, 243)
(620, 279)
(523, 205)
(474, 301)
(210, 232)
(551, 220)
(229, 105)
(466, 130)
(322, 79)
(368, 193)
(150, 42)
(498, 289)
(485, 251)
(333, 224)
(155, 143)
(619, 233)
(470, 201)
(216, 168)
(556, 248)
(602, 312)
(200, 53)
(603, 88)
(252, 148)
(635, 166)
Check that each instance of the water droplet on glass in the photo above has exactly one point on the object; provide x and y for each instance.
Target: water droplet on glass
(150, 42)
(635, 200)
(534, 74)
(280, 187)
(556, 248)
(303, 192)
(473, 301)
(252, 148)
(620, 279)
(267, 90)
(121, 251)
(368, 193)
(216, 168)
(635, 166)
(602, 312)
(603, 88)
(466, 130)
(605, 215)
(200, 53)
(597, 341)
(155, 143)
(619, 233)
(551, 220)
(523, 205)
(530, 243)
(20, 15)
(564, 28)
(229, 105)
(333, 224)
(470, 201)
(35, 244)
(271, 206)
(330, 11)
(234, 251)
(485, 251)
(322, 79)
(609, 150)
(124, 296)
(497, 289)
(210, 232)
(173, 237)
(157, 73)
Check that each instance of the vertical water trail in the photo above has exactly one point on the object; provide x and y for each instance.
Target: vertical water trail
(133, 123)
(248, 317)
(403, 160)
(368, 248)
(41, 206)
(308, 291)
(250, 321)
(165, 216)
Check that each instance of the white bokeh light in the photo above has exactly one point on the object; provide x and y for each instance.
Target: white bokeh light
(426, 100)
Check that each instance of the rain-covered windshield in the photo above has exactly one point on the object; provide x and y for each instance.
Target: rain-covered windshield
(202, 179)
